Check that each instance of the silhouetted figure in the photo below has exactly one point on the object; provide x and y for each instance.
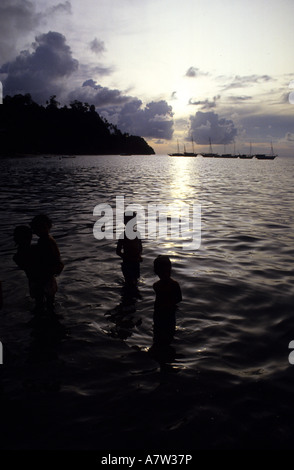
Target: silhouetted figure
(168, 295)
(49, 264)
(130, 250)
(27, 257)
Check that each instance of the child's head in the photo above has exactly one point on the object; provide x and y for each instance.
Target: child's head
(162, 266)
(22, 235)
(129, 215)
(41, 224)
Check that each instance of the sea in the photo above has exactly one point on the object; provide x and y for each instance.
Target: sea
(89, 380)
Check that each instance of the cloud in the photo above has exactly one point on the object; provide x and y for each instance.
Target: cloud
(239, 99)
(127, 112)
(205, 126)
(205, 104)
(97, 46)
(266, 126)
(41, 72)
(17, 19)
(59, 8)
(194, 72)
(289, 137)
(153, 121)
(100, 96)
(247, 80)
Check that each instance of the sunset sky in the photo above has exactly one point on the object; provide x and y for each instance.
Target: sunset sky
(166, 70)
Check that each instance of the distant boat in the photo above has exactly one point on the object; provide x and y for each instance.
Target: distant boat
(246, 156)
(178, 153)
(210, 153)
(184, 154)
(263, 156)
(227, 155)
(191, 154)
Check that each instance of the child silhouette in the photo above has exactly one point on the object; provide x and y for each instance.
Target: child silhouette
(168, 295)
(26, 256)
(129, 248)
(49, 263)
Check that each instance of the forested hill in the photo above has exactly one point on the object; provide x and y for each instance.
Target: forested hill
(29, 128)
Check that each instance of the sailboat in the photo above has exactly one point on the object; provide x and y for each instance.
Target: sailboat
(178, 153)
(262, 156)
(210, 154)
(245, 156)
(190, 154)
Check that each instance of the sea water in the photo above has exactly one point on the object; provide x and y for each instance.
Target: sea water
(89, 381)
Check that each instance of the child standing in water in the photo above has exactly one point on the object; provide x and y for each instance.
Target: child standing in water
(49, 264)
(130, 250)
(168, 295)
(26, 256)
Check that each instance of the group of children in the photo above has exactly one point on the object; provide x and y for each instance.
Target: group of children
(167, 290)
(42, 263)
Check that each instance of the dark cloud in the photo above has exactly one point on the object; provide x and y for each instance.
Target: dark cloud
(59, 8)
(42, 71)
(205, 104)
(247, 80)
(97, 46)
(100, 96)
(205, 126)
(88, 70)
(267, 126)
(153, 121)
(17, 19)
(239, 99)
(194, 72)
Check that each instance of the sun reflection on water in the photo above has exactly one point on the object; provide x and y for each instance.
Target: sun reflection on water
(183, 179)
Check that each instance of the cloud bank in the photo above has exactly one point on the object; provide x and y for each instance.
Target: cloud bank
(206, 126)
(41, 72)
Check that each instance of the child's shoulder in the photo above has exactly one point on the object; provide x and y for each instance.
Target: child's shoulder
(174, 282)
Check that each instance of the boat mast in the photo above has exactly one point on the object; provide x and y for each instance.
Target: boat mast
(210, 146)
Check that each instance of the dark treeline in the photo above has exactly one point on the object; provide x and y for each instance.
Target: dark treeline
(29, 128)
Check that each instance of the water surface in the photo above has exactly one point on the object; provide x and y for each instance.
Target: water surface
(89, 382)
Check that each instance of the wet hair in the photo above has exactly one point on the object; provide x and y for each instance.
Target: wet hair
(162, 264)
(41, 220)
(22, 233)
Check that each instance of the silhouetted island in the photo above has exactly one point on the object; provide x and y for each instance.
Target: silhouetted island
(29, 128)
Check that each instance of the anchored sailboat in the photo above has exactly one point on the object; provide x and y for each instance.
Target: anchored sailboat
(210, 153)
(263, 156)
(178, 153)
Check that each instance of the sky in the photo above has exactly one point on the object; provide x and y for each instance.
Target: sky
(171, 71)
